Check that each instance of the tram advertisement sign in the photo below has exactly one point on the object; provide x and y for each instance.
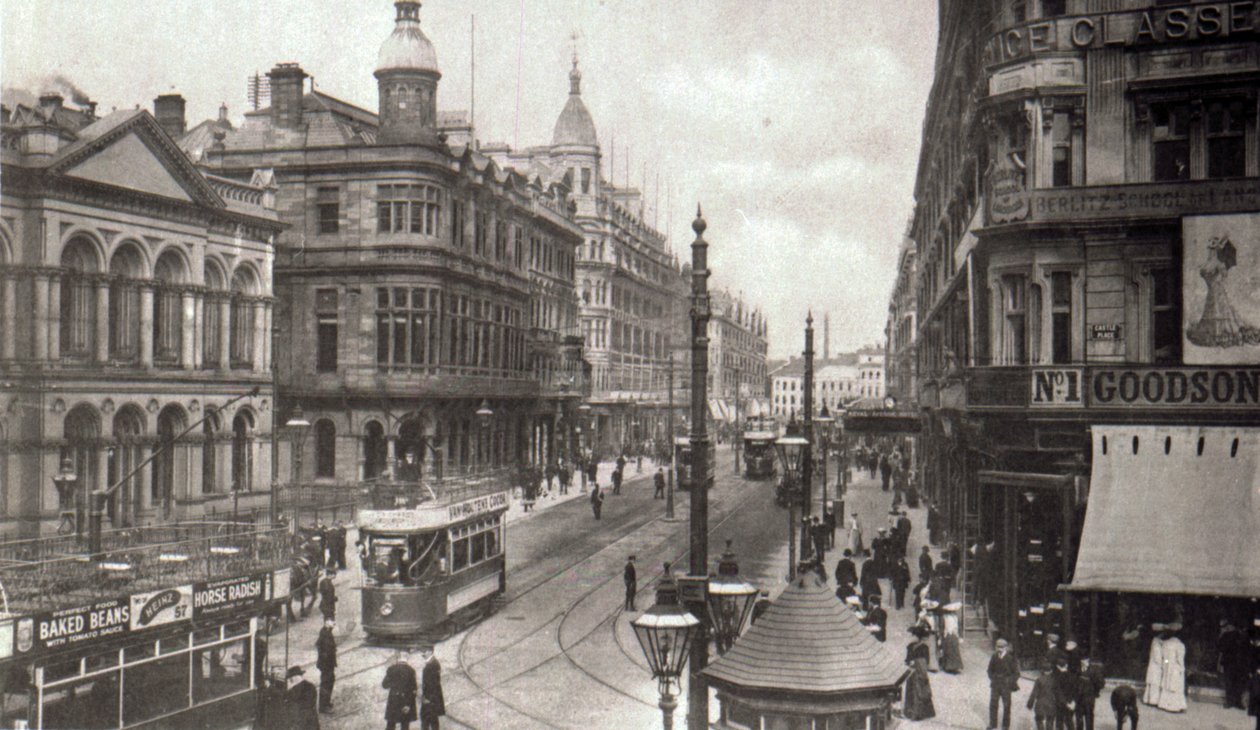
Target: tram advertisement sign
(212, 598)
(156, 608)
(479, 506)
(69, 626)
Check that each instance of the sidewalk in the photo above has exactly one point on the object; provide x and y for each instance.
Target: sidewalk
(516, 507)
(962, 700)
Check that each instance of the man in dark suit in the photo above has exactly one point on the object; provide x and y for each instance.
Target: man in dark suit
(632, 583)
(1125, 706)
(1089, 684)
(328, 595)
(432, 702)
(846, 571)
(1234, 654)
(658, 480)
(1003, 680)
(1064, 696)
(326, 663)
(300, 700)
(400, 706)
(925, 563)
(1042, 701)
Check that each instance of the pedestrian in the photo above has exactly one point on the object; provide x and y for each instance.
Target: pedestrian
(549, 475)
(877, 619)
(885, 471)
(1234, 655)
(597, 500)
(1042, 701)
(818, 533)
(1166, 670)
(1089, 684)
(592, 470)
(328, 595)
(1003, 680)
(631, 579)
(829, 519)
(917, 703)
(621, 460)
(934, 524)
(326, 663)
(1124, 704)
(1064, 696)
(1253, 699)
(300, 702)
(400, 706)
(903, 533)
(1053, 652)
(845, 590)
(658, 480)
(855, 535)
(869, 582)
(925, 564)
(951, 649)
(846, 571)
(565, 476)
(339, 535)
(900, 582)
(616, 479)
(432, 701)
(1073, 653)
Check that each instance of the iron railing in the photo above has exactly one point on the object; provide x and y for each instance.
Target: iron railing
(169, 556)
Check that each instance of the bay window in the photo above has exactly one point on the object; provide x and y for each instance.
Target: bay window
(407, 209)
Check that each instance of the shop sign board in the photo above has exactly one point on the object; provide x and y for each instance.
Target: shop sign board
(70, 626)
(1008, 196)
(1057, 387)
(1106, 332)
(217, 597)
(1139, 200)
(1180, 387)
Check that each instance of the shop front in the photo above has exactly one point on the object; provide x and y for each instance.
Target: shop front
(194, 652)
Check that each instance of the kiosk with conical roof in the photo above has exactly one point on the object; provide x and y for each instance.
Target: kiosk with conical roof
(807, 658)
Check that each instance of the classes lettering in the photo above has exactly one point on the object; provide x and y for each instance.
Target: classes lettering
(1162, 25)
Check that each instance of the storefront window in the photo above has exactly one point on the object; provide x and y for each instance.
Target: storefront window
(155, 689)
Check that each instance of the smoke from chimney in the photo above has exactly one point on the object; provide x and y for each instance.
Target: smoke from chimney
(64, 85)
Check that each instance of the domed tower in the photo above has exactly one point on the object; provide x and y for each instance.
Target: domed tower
(574, 142)
(406, 78)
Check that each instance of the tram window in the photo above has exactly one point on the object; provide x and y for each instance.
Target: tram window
(239, 628)
(140, 651)
(62, 670)
(87, 703)
(219, 671)
(387, 562)
(173, 644)
(492, 543)
(102, 661)
(154, 689)
(206, 636)
(478, 547)
(459, 554)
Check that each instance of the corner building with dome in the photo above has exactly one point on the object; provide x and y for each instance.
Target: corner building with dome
(419, 281)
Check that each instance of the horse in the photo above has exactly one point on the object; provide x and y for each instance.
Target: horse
(303, 579)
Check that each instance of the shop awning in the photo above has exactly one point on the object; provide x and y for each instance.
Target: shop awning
(1172, 510)
(715, 410)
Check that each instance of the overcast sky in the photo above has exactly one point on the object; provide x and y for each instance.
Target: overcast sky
(795, 123)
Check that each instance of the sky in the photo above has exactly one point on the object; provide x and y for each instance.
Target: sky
(795, 123)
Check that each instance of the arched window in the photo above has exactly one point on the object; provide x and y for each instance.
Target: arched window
(373, 450)
(82, 431)
(244, 288)
(78, 300)
(124, 457)
(125, 269)
(170, 423)
(211, 317)
(209, 453)
(325, 449)
(168, 325)
(242, 436)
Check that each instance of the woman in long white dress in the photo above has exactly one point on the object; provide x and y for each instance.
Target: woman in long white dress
(855, 536)
(1166, 670)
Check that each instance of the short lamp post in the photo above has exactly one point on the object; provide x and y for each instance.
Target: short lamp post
(824, 427)
(586, 424)
(730, 601)
(665, 632)
(298, 426)
(792, 449)
(67, 483)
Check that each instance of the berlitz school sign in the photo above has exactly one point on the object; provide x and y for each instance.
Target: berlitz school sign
(1238, 21)
(1145, 387)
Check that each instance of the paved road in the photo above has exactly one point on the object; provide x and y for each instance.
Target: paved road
(560, 653)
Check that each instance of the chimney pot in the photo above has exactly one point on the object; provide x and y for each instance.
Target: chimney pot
(50, 101)
(169, 111)
(287, 82)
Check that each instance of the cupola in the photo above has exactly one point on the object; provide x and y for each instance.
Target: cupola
(407, 76)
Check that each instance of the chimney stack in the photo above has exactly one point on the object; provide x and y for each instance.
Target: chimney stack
(50, 102)
(826, 336)
(169, 111)
(287, 82)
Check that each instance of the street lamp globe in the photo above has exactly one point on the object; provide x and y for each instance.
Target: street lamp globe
(297, 420)
(66, 481)
(484, 413)
(729, 601)
(664, 632)
(791, 449)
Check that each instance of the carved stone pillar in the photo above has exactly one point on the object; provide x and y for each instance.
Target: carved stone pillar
(40, 322)
(8, 325)
(102, 321)
(260, 336)
(189, 334)
(146, 325)
(225, 333)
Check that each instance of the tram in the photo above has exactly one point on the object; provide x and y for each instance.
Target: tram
(759, 455)
(431, 567)
(682, 462)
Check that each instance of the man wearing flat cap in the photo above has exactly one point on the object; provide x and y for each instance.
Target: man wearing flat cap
(1003, 680)
(300, 702)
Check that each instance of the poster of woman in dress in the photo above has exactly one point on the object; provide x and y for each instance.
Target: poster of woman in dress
(1221, 289)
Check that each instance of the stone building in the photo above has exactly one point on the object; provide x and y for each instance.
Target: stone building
(839, 381)
(421, 281)
(1085, 229)
(737, 357)
(899, 359)
(137, 301)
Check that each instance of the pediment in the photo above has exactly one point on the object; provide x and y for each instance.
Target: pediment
(129, 163)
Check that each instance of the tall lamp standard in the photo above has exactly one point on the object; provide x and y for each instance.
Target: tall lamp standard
(664, 632)
(791, 449)
(807, 428)
(669, 440)
(297, 426)
(67, 483)
(826, 426)
(484, 414)
(587, 424)
(698, 685)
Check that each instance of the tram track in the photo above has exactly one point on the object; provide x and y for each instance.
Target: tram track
(607, 623)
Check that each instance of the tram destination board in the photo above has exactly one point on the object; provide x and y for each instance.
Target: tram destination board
(430, 516)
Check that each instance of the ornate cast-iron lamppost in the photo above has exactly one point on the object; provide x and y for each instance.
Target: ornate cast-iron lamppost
(697, 686)
(730, 601)
(67, 483)
(792, 450)
(824, 428)
(665, 632)
(484, 414)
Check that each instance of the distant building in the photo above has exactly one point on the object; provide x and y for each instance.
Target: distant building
(737, 359)
(900, 365)
(137, 300)
(838, 382)
(420, 279)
